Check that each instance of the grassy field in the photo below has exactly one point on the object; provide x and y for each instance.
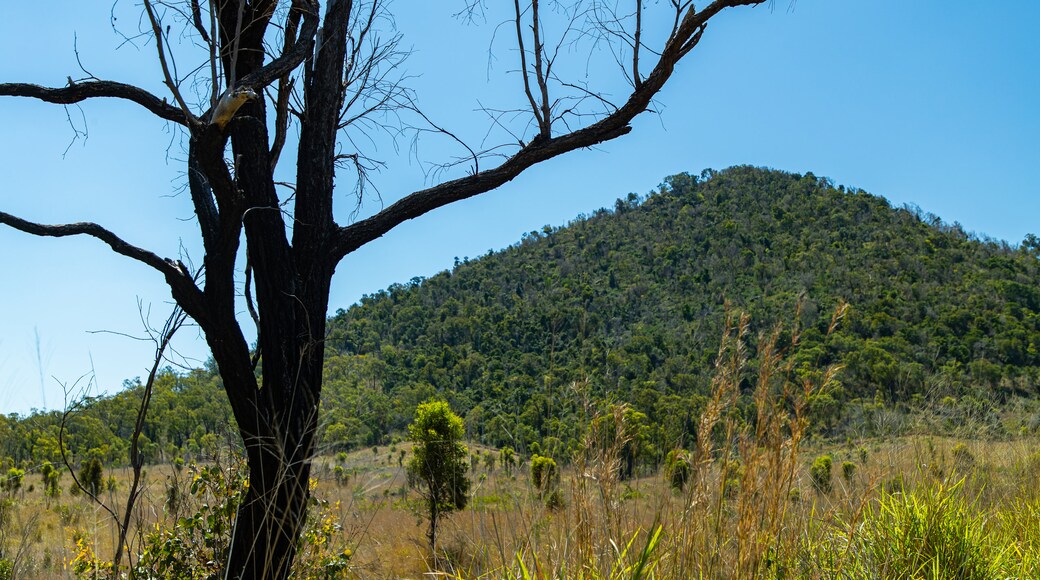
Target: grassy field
(912, 507)
(752, 497)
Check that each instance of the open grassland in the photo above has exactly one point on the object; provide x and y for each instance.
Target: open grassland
(921, 507)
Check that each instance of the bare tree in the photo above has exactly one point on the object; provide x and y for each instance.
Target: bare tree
(77, 403)
(257, 69)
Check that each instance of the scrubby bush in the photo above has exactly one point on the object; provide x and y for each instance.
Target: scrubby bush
(91, 476)
(820, 472)
(544, 474)
(848, 470)
(508, 459)
(677, 468)
(12, 482)
(197, 546)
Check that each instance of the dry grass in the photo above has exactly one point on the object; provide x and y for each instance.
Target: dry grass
(734, 520)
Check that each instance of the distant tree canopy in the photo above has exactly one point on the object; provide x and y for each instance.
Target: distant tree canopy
(627, 305)
(185, 408)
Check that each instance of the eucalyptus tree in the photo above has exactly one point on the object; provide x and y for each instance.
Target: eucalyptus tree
(264, 75)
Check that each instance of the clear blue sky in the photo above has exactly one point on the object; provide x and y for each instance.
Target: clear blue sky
(930, 102)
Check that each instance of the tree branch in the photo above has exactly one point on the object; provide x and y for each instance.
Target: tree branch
(162, 342)
(354, 236)
(171, 82)
(202, 198)
(636, 81)
(196, 21)
(285, 88)
(177, 275)
(523, 69)
(616, 124)
(77, 92)
(94, 230)
(540, 74)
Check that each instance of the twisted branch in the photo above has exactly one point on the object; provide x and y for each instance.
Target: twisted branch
(77, 92)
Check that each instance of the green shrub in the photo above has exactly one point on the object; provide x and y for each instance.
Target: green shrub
(677, 465)
(91, 476)
(544, 474)
(848, 470)
(508, 459)
(820, 472)
(12, 482)
(439, 461)
(199, 543)
(196, 547)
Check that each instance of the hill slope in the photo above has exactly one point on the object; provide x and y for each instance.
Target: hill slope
(632, 300)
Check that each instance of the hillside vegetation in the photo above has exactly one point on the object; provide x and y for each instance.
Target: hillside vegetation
(627, 305)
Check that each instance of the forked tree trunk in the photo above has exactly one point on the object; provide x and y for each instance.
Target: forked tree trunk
(292, 277)
(277, 424)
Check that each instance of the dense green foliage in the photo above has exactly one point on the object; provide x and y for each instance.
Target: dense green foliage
(627, 305)
(91, 476)
(821, 473)
(194, 544)
(677, 468)
(188, 416)
(545, 475)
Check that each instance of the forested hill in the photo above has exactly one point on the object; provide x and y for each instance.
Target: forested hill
(627, 304)
(632, 298)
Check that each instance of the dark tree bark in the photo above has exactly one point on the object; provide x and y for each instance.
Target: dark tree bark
(321, 60)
